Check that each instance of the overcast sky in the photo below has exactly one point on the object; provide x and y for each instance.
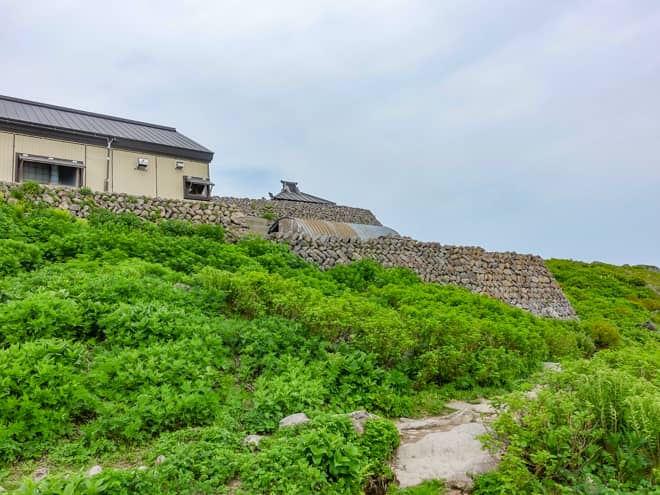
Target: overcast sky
(530, 126)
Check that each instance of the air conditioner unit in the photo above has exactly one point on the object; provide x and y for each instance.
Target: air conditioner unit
(178, 165)
(142, 163)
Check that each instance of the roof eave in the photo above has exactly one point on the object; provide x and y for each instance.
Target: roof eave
(101, 139)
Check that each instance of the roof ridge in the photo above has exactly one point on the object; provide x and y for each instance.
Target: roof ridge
(84, 112)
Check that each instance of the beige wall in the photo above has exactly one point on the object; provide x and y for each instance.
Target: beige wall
(50, 147)
(95, 168)
(6, 157)
(128, 179)
(170, 179)
(161, 178)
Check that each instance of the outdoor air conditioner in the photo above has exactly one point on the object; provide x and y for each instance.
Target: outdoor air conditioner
(178, 165)
(142, 163)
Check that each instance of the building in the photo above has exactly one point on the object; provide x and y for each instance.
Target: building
(62, 146)
(291, 192)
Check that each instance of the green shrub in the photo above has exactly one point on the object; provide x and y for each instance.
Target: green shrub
(293, 390)
(604, 334)
(17, 255)
(42, 396)
(41, 315)
(162, 387)
(324, 456)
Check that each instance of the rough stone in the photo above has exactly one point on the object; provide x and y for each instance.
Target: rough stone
(252, 440)
(279, 209)
(160, 459)
(444, 447)
(520, 280)
(649, 325)
(294, 419)
(359, 418)
(552, 366)
(231, 216)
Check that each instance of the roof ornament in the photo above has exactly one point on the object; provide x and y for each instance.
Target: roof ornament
(288, 186)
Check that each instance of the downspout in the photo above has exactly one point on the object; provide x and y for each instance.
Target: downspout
(106, 182)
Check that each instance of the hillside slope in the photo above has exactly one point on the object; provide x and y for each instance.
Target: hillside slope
(155, 349)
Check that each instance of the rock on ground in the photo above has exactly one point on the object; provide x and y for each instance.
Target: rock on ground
(444, 447)
(294, 419)
(252, 440)
(359, 418)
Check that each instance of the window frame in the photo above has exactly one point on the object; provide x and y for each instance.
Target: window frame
(189, 181)
(22, 158)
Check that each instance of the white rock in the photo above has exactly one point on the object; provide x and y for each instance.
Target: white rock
(252, 440)
(142, 468)
(94, 470)
(160, 459)
(450, 455)
(553, 366)
(359, 418)
(294, 419)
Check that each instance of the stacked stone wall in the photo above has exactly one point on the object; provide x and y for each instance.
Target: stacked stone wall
(520, 280)
(297, 209)
(79, 202)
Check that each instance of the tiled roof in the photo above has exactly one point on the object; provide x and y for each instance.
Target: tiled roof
(290, 192)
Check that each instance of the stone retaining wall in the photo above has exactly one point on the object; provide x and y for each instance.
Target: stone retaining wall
(79, 202)
(297, 209)
(520, 280)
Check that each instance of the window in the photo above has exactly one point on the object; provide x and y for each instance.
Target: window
(47, 170)
(197, 188)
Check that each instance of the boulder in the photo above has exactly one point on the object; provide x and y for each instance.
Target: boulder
(552, 366)
(649, 325)
(293, 420)
(359, 418)
(252, 440)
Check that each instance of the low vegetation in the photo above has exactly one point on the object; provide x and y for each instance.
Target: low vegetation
(155, 349)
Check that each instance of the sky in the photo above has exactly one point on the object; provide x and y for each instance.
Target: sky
(517, 125)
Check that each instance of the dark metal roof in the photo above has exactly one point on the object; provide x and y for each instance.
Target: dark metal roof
(290, 192)
(44, 119)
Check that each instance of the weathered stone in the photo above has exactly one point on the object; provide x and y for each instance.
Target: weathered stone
(359, 418)
(160, 459)
(444, 447)
(520, 280)
(293, 420)
(552, 366)
(252, 440)
(649, 325)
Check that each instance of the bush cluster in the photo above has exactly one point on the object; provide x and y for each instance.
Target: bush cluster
(124, 339)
